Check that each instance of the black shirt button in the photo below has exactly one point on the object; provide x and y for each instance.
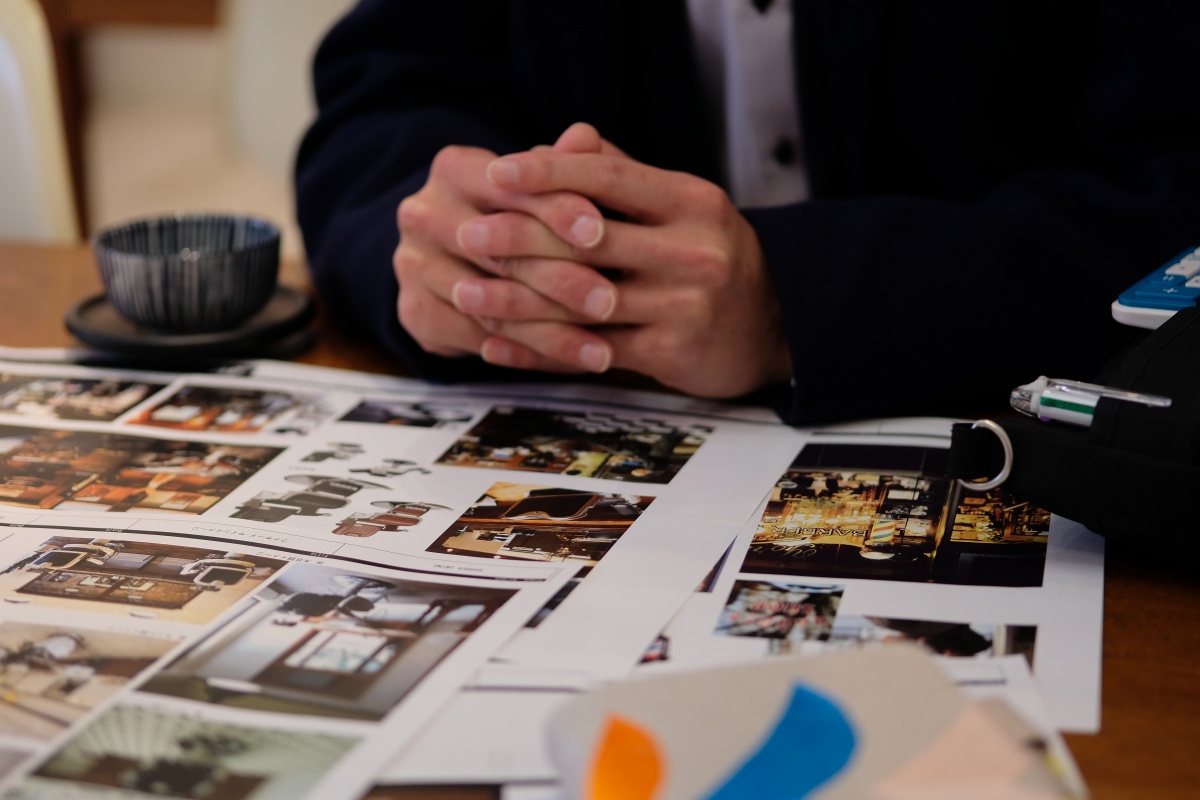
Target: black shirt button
(761, 5)
(784, 152)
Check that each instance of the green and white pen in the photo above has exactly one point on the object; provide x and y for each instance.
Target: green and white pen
(1072, 401)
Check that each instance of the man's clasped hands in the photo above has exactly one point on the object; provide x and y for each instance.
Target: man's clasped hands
(509, 258)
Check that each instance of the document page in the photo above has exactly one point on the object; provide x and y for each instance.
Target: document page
(862, 541)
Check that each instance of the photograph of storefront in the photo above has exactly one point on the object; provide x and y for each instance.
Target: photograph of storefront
(850, 524)
(43, 469)
(827, 518)
(391, 515)
(328, 642)
(140, 579)
(51, 676)
(145, 752)
(784, 613)
(591, 444)
(996, 540)
(90, 399)
(542, 523)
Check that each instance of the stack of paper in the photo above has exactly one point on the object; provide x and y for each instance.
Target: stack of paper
(301, 578)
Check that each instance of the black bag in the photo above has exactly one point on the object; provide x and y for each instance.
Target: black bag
(1135, 471)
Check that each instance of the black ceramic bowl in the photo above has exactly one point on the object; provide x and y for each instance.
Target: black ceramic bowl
(192, 273)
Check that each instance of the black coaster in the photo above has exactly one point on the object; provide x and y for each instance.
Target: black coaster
(95, 322)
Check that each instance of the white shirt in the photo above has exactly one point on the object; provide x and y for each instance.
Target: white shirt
(746, 65)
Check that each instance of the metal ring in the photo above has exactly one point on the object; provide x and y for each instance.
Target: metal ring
(1005, 471)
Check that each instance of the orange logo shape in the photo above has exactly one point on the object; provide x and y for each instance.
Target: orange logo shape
(628, 764)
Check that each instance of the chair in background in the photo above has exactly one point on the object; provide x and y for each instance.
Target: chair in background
(37, 202)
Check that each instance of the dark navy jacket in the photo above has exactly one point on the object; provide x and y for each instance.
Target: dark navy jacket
(986, 176)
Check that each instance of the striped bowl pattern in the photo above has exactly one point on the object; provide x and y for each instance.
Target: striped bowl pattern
(192, 273)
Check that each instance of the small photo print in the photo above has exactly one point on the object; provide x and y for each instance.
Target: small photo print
(865, 522)
(140, 579)
(51, 676)
(218, 409)
(954, 639)
(996, 516)
(850, 524)
(86, 399)
(329, 642)
(785, 613)
(541, 523)
(84, 470)
(145, 752)
(413, 414)
(590, 444)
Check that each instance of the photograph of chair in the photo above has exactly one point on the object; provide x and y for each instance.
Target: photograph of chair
(552, 504)
(224, 570)
(321, 494)
(340, 451)
(542, 523)
(134, 577)
(93, 554)
(392, 468)
(394, 515)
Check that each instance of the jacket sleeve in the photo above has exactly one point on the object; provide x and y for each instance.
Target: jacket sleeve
(942, 301)
(395, 82)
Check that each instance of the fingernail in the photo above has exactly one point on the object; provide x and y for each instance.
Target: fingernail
(586, 231)
(595, 357)
(467, 296)
(503, 173)
(473, 235)
(600, 302)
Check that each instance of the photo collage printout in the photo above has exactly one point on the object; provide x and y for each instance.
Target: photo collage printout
(278, 581)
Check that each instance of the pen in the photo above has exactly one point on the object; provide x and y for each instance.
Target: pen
(1072, 401)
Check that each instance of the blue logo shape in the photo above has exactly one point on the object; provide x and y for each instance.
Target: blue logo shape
(812, 741)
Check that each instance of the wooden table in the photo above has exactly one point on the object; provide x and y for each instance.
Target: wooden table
(1149, 745)
(39, 283)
